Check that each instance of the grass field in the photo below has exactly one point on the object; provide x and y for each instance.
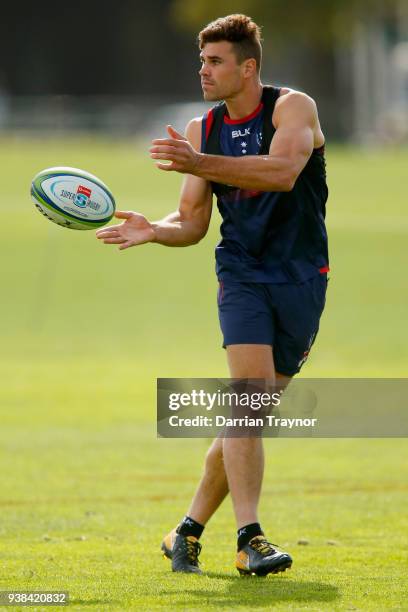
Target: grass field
(86, 489)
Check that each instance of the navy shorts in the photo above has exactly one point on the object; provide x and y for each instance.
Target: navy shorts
(286, 316)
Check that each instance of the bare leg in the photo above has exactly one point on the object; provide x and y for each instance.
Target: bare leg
(213, 487)
(244, 476)
(244, 457)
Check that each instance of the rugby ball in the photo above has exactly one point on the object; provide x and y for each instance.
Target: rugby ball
(72, 198)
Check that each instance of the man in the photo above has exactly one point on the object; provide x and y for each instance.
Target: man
(261, 152)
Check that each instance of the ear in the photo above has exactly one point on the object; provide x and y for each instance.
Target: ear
(249, 67)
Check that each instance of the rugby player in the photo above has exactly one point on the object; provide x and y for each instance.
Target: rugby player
(260, 150)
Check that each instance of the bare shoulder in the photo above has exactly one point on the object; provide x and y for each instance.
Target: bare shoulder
(193, 132)
(297, 109)
(297, 100)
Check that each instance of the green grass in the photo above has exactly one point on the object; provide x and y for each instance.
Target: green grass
(87, 491)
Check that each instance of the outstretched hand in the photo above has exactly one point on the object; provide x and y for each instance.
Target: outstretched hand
(134, 230)
(177, 150)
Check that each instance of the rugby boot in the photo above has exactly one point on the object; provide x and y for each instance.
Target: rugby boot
(261, 558)
(183, 552)
(168, 543)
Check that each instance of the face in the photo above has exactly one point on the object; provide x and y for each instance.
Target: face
(221, 75)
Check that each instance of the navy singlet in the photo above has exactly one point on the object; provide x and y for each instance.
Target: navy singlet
(267, 237)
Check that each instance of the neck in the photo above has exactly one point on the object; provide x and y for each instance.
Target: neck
(245, 102)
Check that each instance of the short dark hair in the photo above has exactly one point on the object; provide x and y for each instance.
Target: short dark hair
(241, 31)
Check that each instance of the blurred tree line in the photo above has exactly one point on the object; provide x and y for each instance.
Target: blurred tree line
(131, 48)
(91, 47)
(318, 23)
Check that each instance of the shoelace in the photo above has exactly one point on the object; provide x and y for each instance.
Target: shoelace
(193, 550)
(262, 546)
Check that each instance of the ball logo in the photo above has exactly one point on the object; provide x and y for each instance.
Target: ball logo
(82, 196)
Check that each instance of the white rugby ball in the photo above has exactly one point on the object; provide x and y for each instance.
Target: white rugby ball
(72, 198)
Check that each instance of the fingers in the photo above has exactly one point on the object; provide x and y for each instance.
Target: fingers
(174, 140)
(126, 245)
(124, 214)
(170, 142)
(169, 156)
(167, 167)
(163, 149)
(174, 134)
(177, 151)
(107, 233)
(117, 240)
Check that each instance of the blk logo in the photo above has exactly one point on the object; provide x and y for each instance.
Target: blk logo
(241, 134)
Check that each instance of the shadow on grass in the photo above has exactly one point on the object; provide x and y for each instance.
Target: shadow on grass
(259, 592)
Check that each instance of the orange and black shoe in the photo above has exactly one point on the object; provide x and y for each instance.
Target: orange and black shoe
(168, 543)
(183, 552)
(261, 558)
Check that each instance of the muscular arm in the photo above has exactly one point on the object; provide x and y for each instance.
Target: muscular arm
(184, 227)
(189, 224)
(296, 122)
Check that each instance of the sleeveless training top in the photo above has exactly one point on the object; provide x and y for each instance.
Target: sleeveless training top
(267, 237)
